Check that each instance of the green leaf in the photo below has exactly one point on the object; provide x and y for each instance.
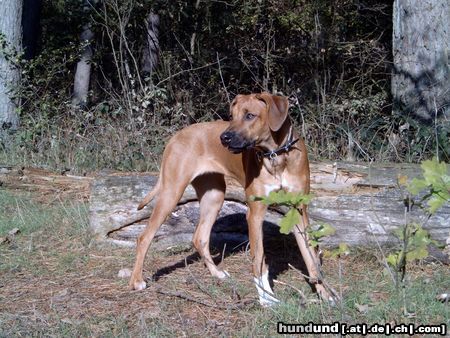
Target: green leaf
(435, 202)
(343, 249)
(289, 220)
(275, 196)
(437, 180)
(433, 170)
(282, 197)
(417, 239)
(392, 259)
(299, 199)
(313, 243)
(418, 253)
(324, 230)
(417, 185)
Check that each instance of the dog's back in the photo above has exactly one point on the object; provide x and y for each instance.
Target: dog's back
(196, 150)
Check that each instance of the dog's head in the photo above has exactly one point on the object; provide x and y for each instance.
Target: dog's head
(254, 118)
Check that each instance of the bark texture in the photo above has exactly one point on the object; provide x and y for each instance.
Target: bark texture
(151, 50)
(421, 44)
(11, 33)
(83, 71)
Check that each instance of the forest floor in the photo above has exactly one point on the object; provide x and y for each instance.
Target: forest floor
(55, 280)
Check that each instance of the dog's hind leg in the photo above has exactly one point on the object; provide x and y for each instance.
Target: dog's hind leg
(210, 190)
(166, 201)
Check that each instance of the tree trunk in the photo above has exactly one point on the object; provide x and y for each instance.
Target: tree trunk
(151, 50)
(83, 71)
(11, 33)
(361, 202)
(421, 42)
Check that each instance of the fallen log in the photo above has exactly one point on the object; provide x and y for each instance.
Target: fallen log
(362, 202)
(46, 185)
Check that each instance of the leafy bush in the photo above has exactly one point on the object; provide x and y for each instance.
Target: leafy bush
(413, 237)
(436, 180)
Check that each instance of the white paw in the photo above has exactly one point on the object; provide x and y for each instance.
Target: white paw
(222, 274)
(266, 295)
(225, 274)
(138, 286)
(268, 300)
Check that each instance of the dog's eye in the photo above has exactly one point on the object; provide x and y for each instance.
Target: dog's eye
(249, 116)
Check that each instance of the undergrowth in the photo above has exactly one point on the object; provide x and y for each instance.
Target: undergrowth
(332, 61)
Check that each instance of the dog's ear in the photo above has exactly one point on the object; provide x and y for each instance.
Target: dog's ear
(233, 103)
(277, 108)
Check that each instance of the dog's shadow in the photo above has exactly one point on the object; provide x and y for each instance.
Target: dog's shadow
(230, 235)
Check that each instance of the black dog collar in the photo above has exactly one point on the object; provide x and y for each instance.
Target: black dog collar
(283, 149)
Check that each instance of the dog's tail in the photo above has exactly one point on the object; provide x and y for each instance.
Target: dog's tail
(147, 199)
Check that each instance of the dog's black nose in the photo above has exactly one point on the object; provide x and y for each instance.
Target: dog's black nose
(226, 137)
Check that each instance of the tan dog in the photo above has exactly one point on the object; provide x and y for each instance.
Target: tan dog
(263, 155)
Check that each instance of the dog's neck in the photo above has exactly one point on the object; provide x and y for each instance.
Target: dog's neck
(280, 143)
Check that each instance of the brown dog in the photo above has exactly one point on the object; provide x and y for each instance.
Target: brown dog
(259, 149)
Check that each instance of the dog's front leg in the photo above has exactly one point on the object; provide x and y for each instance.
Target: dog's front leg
(255, 218)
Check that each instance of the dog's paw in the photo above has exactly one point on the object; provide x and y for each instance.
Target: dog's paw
(223, 274)
(329, 296)
(220, 274)
(138, 286)
(265, 292)
(267, 300)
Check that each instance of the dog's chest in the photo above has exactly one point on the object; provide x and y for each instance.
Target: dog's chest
(282, 182)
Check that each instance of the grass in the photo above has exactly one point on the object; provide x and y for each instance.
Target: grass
(55, 281)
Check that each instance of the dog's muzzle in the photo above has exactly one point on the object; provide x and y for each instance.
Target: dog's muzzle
(235, 142)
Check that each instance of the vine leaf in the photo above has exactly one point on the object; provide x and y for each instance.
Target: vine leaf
(289, 220)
